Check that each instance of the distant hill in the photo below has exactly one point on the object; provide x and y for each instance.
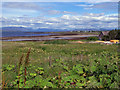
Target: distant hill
(30, 29)
(15, 29)
(46, 30)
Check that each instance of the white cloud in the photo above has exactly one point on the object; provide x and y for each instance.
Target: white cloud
(49, 23)
(89, 1)
(17, 26)
(65, 17)
(59, 12)
(105, 6)
(39, 22)
(84, 5)
(99, 1)
(112, 15)
(88, 8)
(22, 5)
(88, 21)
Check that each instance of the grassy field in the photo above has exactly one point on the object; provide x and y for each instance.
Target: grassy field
(60, 65)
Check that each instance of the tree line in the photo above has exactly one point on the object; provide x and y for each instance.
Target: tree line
(113, 34)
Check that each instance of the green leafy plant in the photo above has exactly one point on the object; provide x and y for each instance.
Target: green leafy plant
(92, 38)
(56, 42)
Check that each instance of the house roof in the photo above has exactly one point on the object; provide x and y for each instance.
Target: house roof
(105, 32)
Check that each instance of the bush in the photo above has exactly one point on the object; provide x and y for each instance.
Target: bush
(92, 38)
(105, 38)
(56, 42)
(113, 34)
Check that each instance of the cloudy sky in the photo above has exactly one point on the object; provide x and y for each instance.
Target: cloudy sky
(90, 14)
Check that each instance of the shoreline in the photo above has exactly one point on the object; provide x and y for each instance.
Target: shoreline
(48, 37)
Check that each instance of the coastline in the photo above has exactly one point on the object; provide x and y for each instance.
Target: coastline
(48, 37)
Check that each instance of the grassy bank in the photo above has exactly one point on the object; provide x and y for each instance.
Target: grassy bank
(65, 65)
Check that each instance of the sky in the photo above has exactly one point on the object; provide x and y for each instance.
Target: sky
(90, 14)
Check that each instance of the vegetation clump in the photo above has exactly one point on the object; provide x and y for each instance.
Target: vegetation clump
(56, 42)
(113, 34)
(92, 38)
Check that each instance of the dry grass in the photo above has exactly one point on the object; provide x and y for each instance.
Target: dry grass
(26, 64)
(20, 63)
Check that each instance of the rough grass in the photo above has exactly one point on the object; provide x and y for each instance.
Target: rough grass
(12, 51)
(42, 54)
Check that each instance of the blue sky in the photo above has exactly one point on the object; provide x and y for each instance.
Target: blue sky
(60, 15)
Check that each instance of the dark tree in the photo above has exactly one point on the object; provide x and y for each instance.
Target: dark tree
(118, 35)
(113, 34)
(105, 38)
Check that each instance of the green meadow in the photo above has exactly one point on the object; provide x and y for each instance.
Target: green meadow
(60, 64)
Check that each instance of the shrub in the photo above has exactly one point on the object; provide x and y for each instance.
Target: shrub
(92, 38)
(105, 38)
(56, 42)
